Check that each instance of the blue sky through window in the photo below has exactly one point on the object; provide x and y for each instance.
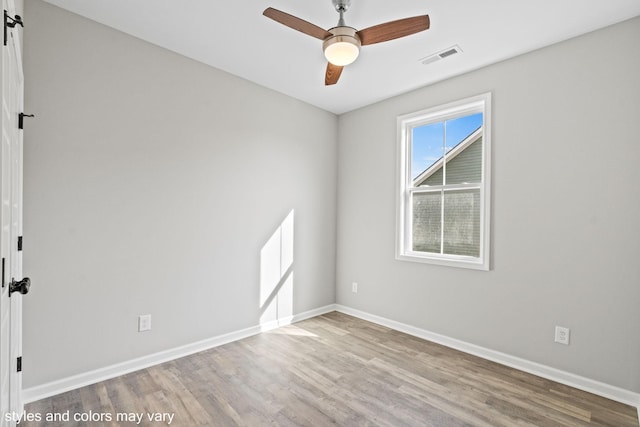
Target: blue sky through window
(428, 141)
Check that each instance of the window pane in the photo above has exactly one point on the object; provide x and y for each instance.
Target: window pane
(462, 222)
(463, 146)
(464, 150)
(427, 224)
(460, 128)
(426, 154)
(466, 166)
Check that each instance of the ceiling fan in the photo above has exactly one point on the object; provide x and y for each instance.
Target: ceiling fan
(341, 44)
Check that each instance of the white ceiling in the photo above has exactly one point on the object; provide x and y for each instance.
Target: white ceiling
(235, 37)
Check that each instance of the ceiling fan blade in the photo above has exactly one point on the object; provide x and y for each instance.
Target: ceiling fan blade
(296, 23)
(393, 30)
(333, 74)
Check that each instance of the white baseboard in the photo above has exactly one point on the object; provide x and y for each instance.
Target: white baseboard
(71, 383)
(563, 377)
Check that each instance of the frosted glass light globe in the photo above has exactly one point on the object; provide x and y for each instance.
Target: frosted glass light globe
(341, 53)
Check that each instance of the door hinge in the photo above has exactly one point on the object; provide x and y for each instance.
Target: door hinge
(21, 117)
(19, 243)
(16, 20)
(19, 363)
(3, 272)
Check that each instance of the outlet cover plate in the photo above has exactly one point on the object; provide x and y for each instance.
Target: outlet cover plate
(562, 335)
(144, 322)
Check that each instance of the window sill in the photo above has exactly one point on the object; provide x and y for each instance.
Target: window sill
(449, 261)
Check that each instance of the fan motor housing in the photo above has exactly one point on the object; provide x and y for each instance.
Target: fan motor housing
(340, 37)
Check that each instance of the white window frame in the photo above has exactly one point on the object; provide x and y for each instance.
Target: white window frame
(404, 227)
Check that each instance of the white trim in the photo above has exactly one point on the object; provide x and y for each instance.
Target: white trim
(76, 381)
(449, 260)
(592, 386)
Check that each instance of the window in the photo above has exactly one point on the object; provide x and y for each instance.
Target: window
(444, 182)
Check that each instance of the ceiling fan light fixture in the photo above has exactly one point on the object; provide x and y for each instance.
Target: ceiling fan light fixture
(341, 44)
(343, 47)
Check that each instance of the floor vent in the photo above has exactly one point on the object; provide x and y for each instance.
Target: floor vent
(440, 55)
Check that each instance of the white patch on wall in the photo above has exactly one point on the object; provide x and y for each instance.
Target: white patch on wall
(276, 273)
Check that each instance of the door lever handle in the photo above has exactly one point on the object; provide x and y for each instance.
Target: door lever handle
(21, 286)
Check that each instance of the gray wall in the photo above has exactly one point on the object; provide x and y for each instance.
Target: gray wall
(152, 182)
(565, 229)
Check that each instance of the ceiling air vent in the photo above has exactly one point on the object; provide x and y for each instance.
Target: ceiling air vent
(440, 55)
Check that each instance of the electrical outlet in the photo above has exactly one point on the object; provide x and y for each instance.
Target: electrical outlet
(144, 322)
(354, 287)
(562, 335)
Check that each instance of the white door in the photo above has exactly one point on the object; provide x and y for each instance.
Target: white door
(11, 223)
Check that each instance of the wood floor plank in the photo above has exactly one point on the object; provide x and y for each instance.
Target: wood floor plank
(335, 370)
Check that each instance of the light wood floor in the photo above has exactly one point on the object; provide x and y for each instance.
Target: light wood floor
(337, 370)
